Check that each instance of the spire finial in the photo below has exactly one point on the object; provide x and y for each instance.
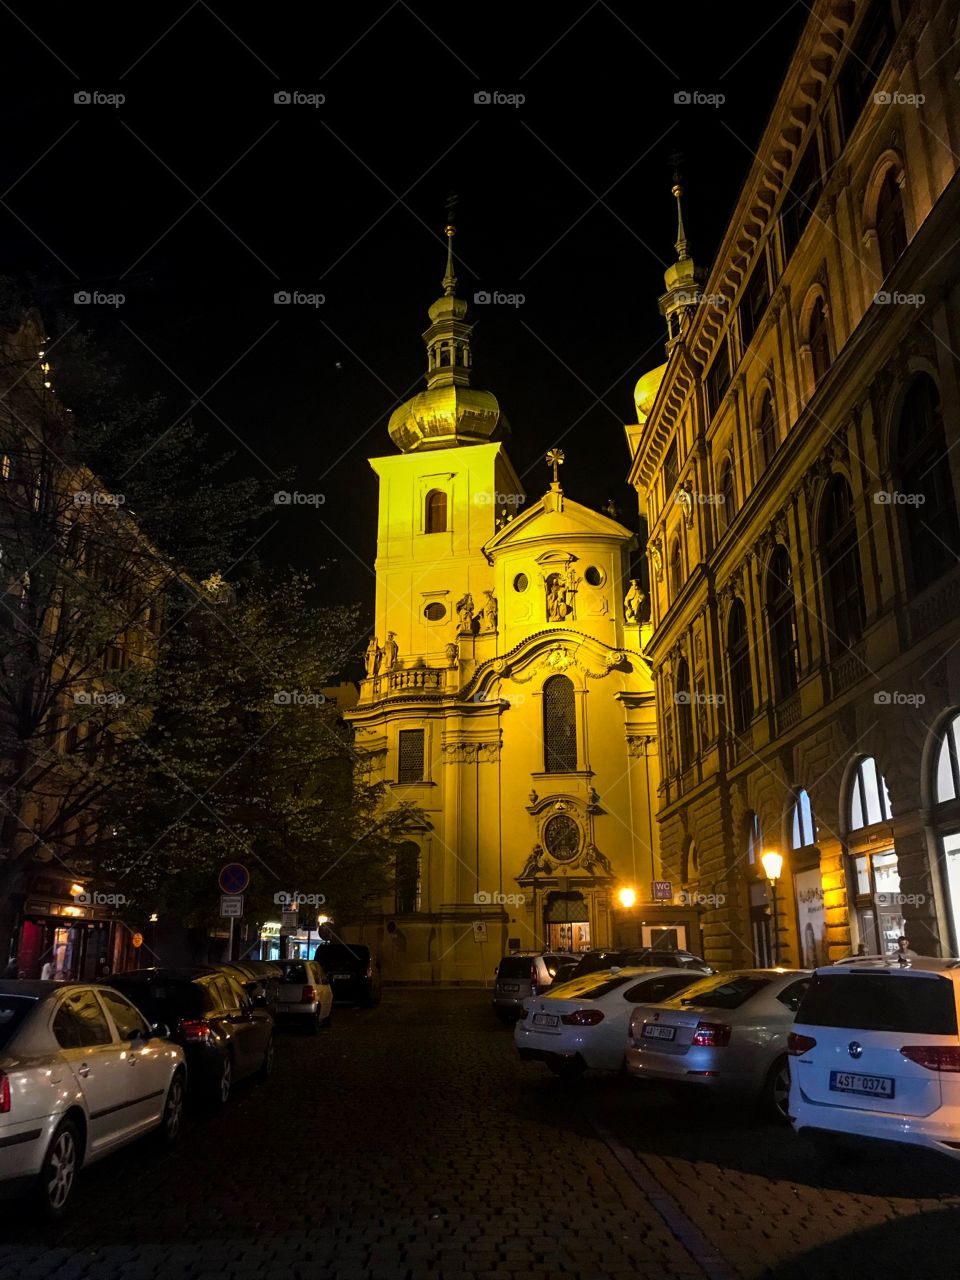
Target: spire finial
(555, 459)
(677, 191)
(450, 279)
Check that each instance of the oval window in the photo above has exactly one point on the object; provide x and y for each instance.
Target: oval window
(435, 611)
(521, 582)
(593, 575)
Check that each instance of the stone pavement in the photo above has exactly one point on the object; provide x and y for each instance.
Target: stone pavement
(409, 1141)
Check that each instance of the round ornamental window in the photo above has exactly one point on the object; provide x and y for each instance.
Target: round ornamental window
(594, 576)
(561, 838)
(435, 611)
(521, 582)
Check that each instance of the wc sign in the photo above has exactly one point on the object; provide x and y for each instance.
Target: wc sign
(662, 891)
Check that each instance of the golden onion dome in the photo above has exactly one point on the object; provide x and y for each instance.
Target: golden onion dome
(645, 392)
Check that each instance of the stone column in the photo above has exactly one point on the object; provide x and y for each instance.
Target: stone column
(833, 876)
(918, 887)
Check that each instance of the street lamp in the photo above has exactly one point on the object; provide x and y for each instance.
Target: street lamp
(628, 898)
(772, 867)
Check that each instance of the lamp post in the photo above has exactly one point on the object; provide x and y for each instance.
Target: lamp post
(772, 867)
(628, 898)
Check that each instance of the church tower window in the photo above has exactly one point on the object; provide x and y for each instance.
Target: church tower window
(435, 512)
(410, 755)
(559, 726)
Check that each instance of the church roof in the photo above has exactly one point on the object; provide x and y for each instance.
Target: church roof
(556, 519)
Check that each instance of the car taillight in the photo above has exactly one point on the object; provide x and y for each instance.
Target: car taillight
(797, 1044)
(308, 995)
(522, 1015)
(935, 1057)
(369, 973)
(4, 1093)
(582, 1018)
(711, 1035)
(196, 1029)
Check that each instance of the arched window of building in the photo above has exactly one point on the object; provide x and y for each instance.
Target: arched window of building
(435, 512)
(841, 564)
(738, 655)
(676, 568)
(684, 701)
(559, 726)
(802, 828)
(767, 428)
(928, 508)
(407, 885)
(946, 791)
(754, 838)
(891, 224)
(726, 494)
(818, 339)
(782, 623)
(869, 799)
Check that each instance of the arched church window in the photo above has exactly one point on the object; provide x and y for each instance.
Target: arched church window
(435, 512)
(559, 726)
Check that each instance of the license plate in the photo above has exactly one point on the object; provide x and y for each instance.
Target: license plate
(871, 1086)
(337, 976)
(509, 986)
(656, 1031)
(546, 1020)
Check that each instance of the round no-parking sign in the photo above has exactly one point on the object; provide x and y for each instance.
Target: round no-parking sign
(234, 878)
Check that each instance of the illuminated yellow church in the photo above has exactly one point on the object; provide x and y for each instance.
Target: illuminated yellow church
(505, 697)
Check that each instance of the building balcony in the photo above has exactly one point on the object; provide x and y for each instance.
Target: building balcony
(408, 680)
(933, 608)
(845, 671)
(787, 712)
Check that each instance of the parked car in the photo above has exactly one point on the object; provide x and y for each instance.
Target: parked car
(875, 1054)
(725, 1034)
(351, 970)
(259, 979)
(630, 957)
(304, 994)
(522, 974)
(584, 1023)
(82, 1073)
(224, 1035)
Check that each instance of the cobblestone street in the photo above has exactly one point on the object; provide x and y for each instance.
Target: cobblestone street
(409, 1141)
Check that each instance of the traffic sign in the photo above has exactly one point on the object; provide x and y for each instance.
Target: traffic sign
(662, 891)
(288, 919)
(479, 930)
(234, 878)
(231, 905)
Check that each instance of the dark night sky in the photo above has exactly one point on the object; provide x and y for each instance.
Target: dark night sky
(564, 199)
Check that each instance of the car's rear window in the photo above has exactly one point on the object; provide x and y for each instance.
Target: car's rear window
(13, 1010)
(164, 1001)
(881, 1002)
(515, 967)
(723, 993)
(296, 972)
(339, 955)
(589, 987)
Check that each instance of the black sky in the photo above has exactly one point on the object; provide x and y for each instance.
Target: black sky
(199, 198)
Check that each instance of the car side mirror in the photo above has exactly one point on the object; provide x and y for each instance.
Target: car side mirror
(161, 1030)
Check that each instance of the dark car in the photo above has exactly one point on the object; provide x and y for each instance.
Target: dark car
(259, 979)
(629, 957)
(351, 970)
(222, 1033)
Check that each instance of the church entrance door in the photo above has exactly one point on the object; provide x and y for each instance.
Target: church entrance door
(567, 922)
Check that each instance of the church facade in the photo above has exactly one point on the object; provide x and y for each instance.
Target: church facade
(506, 699)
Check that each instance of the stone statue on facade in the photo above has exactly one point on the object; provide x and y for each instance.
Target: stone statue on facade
(633, 602)
(391, 651)
(489, 612)
(373, 657)
(537, 864)
(465, 612)
(593, 858)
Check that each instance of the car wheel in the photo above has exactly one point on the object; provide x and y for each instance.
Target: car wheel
(776, 1091)
(266, 1067)
(172, 1117)
(568, 1068)
(58, 1174)
(220, 1092)
(314, 1022)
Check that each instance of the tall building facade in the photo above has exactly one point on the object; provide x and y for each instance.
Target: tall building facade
(796, 462)
(506, 698)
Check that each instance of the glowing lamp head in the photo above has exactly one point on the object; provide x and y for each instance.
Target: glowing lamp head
(772, 864)
(628, 898)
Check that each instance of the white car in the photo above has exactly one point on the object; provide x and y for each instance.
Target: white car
(584, 1023)
(875, 1053)
(81, 1074)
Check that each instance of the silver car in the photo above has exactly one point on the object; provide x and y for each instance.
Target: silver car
(522, 974)
(725, 1034)
(81, 1074)
(303, 993)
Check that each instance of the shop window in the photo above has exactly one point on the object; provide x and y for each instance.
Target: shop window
(738, 656)
(946, 792)
(802, 828)
(928, 509)
(559, 726)
(869, 798)
(410, 755)
(877, 901)
(435, 512)
(841, 563)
